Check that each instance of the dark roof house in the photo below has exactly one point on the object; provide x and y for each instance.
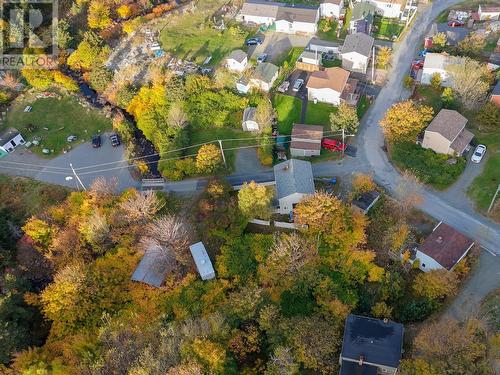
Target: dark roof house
(153, 267)
(358, 42)
(362, 17)
(366, 201)
(454, 35)
(371, 346)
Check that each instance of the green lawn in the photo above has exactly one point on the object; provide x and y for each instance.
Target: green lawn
(363, 105)
(54, 120)
(319, 113)
(327, 29)
(331, 63)
(428, 95)
(288, 109)
(386, 28)
(191, 37)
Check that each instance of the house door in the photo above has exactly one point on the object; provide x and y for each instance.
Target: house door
(13, 143)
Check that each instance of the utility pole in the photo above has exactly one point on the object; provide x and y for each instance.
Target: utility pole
(222, 152)
(373, 65)
(493, 200)
(343, 142)
(76, 176)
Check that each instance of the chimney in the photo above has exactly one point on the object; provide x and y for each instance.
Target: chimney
(361, 359)
(439, 239)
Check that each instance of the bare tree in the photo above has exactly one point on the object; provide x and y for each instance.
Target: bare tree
(142, 206)
(10, 81)
(102, 187)
(177, 117)
(408, 192)
(282, 362)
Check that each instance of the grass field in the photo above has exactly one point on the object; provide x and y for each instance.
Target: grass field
(386, 28)
(61, 117)
(319, 114)
(288, 109)
(428, 95)
(327, 29)
(192, 37)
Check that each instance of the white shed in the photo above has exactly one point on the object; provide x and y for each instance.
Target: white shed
(237, 61)
(249, 124)
(10, 138)
(202, 261)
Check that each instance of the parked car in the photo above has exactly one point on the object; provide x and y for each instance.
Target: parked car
(96, 141)
(284, 86)
(115, 140)
(298, 84)
(478, 154)
(253, 41)
(333, 144)
(71, 138)
(456, 23)
(262, 57)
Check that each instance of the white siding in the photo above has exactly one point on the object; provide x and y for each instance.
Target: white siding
(286, 203)
(427, 263)
(325, 95)
(427, 75)
(358, 62)
(250, 126)
(283, 26)
(386, 9)
(236, 66)
(302, 152)
(331, 10)
(260, 20)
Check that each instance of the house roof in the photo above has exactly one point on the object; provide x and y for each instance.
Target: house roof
(265, 72)
(366, 200)
(202, 260)
(496, 89)
(489, 9)
(337, 2)
(293, 176)
(453, 34)
(238, 55)
(353, 368)
(358, 42)
(312, 132)
(446, 245)
(297, 14)
(349, 89)
(361, 10)
(260, 9)
(153, 267)
(448, 123)
(439, 61)
(322, 43)
(331, 78)
(7, 134)
(375, 341)
(249, 114)
(313, 55)
(462, 141)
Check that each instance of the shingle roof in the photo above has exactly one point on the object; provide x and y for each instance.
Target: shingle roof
(453, 34)
(361, 10)
(448, 123)
(358, 42)
(238, 55)
(353, 368)
(332, 78)
(293, 176)
(374, 340)
(297, 14)
(7, 134)
(265, 72)
(438, 61)
(249, 114)
(260, 9)
(446, 245)
(153, 267)
(462, 141)
(312, 132)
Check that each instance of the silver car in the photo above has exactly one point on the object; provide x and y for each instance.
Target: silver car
(297, 84)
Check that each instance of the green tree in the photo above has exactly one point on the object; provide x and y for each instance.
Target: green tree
(254, 200)
(100, 77)
(91, 51)
(208, 159)
(408, 82)
(39, 230)
(435, 284)
(404, 120)
(345, 118)
(488, 117)
(448, 97)
(64, 38)
(436, 81)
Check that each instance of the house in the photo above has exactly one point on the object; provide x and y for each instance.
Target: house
(361, 18)
(495, 94)
(454, 35)
(324, 46)
(309, 61)
(443, 249)
(371, 346)
(153, 267)
(446, 134)
(356, 52)
(297, 20)
(202, 261)
(306, 140)
(389, 8)
(366, 201)
(264, 76)
(249, 124)
(294, 181)
(437, 63)
(258, 12)
(243, 85)
(237, 61)
(331, 8)
(326, 86)
(10, 138)
(488, 12)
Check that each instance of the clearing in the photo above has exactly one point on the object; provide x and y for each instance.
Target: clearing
(386, 28)
(53, 119)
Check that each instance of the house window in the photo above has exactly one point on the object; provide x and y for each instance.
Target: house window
(423, 265)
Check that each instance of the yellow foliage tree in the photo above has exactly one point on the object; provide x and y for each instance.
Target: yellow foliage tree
(99, 15)
(39, 230)
(124, 11)
(435, 284)
(381, 310)
(254, 200)
(65, 81)
(208, 159)
(211, 354)
(404, 120)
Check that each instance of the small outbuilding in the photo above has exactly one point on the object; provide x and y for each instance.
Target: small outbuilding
(153, 267)
(294, 181)
(202, 261)
(249, 123)
(366, 201)
(237, 61)
(10, 138)
(306, 140)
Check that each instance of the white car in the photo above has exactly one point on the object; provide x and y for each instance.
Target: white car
(478, 154)
(297, 85)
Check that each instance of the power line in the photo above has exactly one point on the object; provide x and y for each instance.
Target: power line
(32, 165)
(34, 170)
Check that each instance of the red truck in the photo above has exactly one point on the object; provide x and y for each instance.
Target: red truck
(333, 145)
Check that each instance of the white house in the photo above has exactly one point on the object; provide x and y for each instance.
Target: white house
(389, 8)
(293, 20)
(237, 61)
(202, 261)
(437, 63)
(264, 76)
(327, 85)
(243, 85)
(306, 140)
(258, 12)
(249, 124)
(324, 46)
(331, 8)
(294, 181)
(10, 138)
(356, 52)
(443, 249)
(488, 12)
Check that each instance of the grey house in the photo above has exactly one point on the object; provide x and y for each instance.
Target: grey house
(356, 52)
(294, 181)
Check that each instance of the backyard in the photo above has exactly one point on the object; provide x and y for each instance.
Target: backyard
(288, 109)
(319, 114)
(386, 28)
(52, 120)
(193, 36)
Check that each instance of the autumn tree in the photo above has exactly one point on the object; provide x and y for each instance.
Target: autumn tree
(435, 284)
(90, 52)
(100, 77)
(141, 207)
(345, 118)
(264, 115)
(435, 81)
(471, 81)
(39, 230)
(282, 362)
(439, 40)
(472, 45)
(408, 193)
(381, 310)
(10, 80)
(362, 183)
(254, 200)
(404, 120)
(208, 159)
(40, 79)
(448, 97)
(99, 15)
(384, 56)
(177, 117)
(488, 117)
